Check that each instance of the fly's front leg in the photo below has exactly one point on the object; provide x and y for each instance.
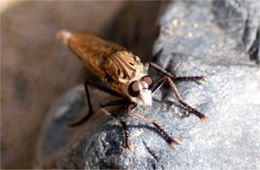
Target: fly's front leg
(169, 139)
(123, 123)
(170, 78)
(202, 117)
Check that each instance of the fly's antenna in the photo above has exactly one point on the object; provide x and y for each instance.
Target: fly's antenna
(63, 36)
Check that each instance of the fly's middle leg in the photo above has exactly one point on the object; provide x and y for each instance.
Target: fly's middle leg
(122, 122)
(201, 79)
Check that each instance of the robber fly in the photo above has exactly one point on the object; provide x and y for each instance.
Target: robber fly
(125, 75)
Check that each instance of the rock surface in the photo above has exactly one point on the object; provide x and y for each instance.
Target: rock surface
(196, 38)
(35, 67)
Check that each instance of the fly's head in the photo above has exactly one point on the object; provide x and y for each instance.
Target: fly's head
(140, 91)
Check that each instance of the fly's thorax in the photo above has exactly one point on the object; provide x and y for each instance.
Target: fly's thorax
(123, 67)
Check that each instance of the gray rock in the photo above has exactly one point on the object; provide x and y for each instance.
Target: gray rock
(196, 38)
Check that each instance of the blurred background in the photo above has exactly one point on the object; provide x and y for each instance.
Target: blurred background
(36, 69)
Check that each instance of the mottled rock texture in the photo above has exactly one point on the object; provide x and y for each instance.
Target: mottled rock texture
(217, 39)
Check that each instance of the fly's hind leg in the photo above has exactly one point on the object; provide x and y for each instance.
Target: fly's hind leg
(90, 109)
(88, 100)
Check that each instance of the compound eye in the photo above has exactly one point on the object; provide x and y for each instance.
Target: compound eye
(148, 80)
(133, 89)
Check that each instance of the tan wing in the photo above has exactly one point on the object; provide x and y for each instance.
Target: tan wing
(111, 62)
(91, 49)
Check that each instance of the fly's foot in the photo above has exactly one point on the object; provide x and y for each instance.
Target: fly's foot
(202, 80)
(203, 118)
(128, 148)
(174, 142)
